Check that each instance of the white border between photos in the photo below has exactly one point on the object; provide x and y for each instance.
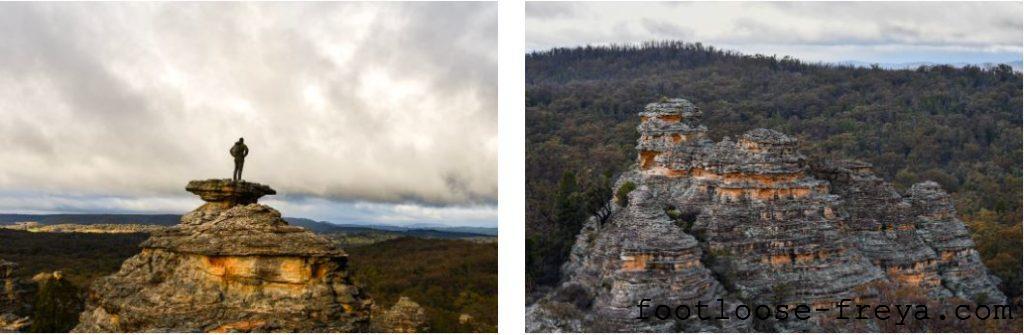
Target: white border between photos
(511, 167)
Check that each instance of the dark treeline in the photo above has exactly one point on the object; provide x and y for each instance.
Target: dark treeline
(960, 127)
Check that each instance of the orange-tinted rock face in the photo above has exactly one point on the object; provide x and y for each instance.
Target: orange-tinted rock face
(764, 194)
(634, 261)
(637, 262)
(285, 270)
(768, 180)
(670, 118)
(647, 159)
(920, 275)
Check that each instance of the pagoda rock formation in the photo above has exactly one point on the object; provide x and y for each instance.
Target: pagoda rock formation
(230, 265)
(753, 221)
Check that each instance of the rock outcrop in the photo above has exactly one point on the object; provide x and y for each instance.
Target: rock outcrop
(230, 265)
(406, 316)
(13, 303)
(752, 221)
(56, 305)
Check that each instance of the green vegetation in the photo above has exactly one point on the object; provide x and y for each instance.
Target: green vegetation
(447, 278)
(576, 199)
(348, 240)
(82, 257)
(622, 195)
(1000, 248)
(960, 127)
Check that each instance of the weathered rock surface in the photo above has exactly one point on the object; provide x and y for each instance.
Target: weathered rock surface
(959, 264)
(752, 221)
(225, 193)
(639, 253)
(14, 306)
(406, 316)
(230, 265)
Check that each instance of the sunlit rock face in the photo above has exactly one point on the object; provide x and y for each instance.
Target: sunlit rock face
(230, 265)
(752, 221)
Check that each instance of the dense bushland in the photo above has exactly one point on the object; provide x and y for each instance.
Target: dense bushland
(448, 278)
(960, 127)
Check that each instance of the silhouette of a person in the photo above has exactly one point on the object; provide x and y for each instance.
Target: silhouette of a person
(239, 151)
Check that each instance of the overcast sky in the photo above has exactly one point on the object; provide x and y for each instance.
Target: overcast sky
(354, 112)
(947, 32)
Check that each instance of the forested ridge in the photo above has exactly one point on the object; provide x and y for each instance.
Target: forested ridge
(960, 127)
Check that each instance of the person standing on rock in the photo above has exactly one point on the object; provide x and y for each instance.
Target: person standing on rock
(239, 151)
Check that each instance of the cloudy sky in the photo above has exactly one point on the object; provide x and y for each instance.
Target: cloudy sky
(880, 32)
(355, 113)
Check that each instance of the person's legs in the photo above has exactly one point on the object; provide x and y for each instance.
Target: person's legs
(238, 170)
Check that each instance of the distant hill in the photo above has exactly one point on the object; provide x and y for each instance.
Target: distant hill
(86, 219)
(1014, 64)
(434, 231)
(418, 230)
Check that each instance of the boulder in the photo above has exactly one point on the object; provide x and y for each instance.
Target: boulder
(405, 316)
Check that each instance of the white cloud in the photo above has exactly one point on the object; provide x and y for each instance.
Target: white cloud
(350, 102)
(819, 31)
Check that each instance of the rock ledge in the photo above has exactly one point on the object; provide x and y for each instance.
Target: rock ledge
(227, 192)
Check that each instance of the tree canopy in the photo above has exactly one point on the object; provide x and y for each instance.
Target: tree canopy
(960, 127)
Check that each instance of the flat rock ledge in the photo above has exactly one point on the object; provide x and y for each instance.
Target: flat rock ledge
(227, 193)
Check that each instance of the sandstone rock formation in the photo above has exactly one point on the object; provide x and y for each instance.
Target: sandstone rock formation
(406, 316)
(752, 221)
(56, 305)
(230, 265)
(13, 305)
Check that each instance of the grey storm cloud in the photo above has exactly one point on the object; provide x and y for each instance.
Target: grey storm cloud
(818, 30)
(380, 102)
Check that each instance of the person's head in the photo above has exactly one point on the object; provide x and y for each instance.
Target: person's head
(240, 140)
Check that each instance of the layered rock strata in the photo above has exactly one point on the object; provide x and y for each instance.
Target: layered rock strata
(753, 221)
(916, 238)
(230, 265)
(638, 254)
